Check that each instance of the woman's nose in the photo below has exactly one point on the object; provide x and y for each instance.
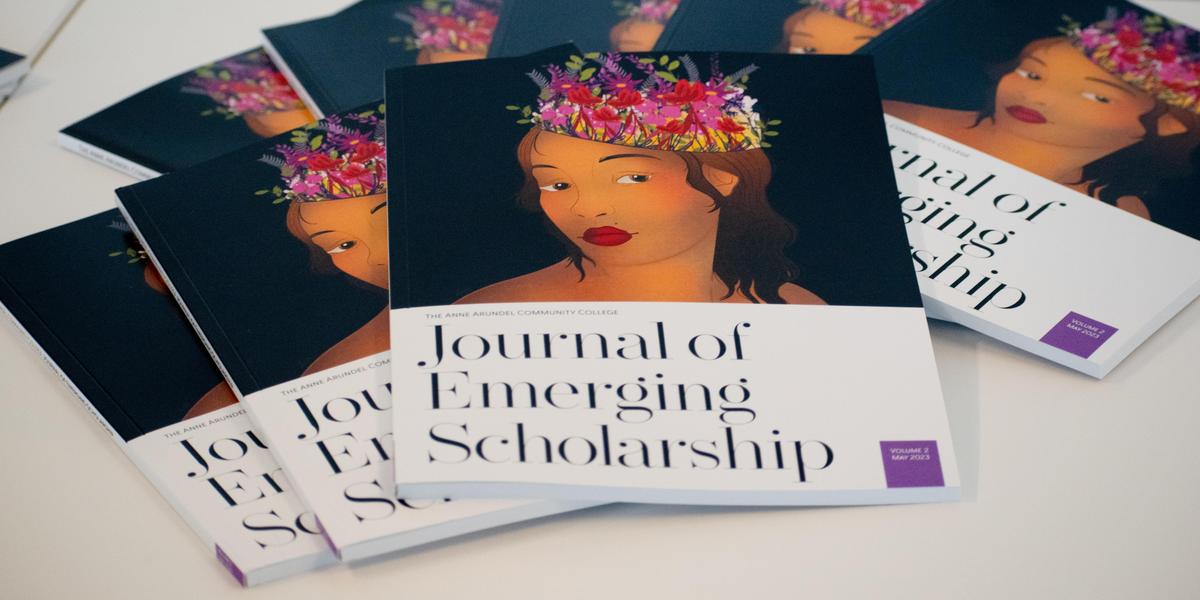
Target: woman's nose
(591, 206)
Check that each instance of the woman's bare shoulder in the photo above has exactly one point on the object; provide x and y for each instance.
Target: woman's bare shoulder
(794, 294)
(930, 117)
(540, 285)
(369, 339)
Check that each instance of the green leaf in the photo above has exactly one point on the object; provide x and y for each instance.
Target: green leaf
(207, 113)
(771, 133)
(674, 65)
(130, 252)
(512, 107)
(224, 76)
(316, 142)
(592, 55)
(524, 121)
(118, 253)
(765, 145)
(774, 122)
(276, 190)
(575, 58)
(279, 201)
(262, 192)
(664, 60)
(646, 61)
(667, 76)
(587, 73)
(526, 111)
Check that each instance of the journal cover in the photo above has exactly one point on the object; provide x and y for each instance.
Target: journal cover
(673, 278)
(787, 26)
(90, 301)
(278, 253)
(337, 62)
(527, 26)
(1046, 155)
(192, 117)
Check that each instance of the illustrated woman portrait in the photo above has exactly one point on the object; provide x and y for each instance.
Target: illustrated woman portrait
(249, 87)
(450, 30)
(335, 191)
(841, 26)
(221, 395)
(655, 188)
(1108, 110)
(642, 25)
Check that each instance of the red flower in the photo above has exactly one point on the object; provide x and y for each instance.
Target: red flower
(728, 125)
(1165, 53)
(1129, 38)
(606, 113)
(322, 162)
(685, 92)
(626, 98)
(583, 96)
(673, 127)
(367, 151)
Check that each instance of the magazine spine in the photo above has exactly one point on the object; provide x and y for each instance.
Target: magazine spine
(272, 44)
(105, 157)
(159, 252)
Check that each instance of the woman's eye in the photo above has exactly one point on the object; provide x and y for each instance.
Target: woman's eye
(1096, 97)
(556, 187)
(636, 178)
(1030, 75)
(342, 247)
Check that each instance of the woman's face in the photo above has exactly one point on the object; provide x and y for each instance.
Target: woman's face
(620, 205)
(814, 31)
(1058, 96)
(635, 35)
(353, 232)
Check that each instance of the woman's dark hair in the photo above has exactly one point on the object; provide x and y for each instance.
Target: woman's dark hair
(318, 259)
(1137, 170)
(751, 236)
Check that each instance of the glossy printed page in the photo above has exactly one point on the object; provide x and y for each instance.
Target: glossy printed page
(653, 283)
(1046, 166)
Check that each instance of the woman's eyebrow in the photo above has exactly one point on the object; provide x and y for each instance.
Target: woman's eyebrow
(1111, 84)
(381, 205)
(543, 167)
(1034, 59)
(320, 233)
(616, 156)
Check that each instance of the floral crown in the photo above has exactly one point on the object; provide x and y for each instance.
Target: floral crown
(454, 25)
(340, 157)
(655, 11)
(1157, 56)
(630, 100)
(242, 84)
(876, 14)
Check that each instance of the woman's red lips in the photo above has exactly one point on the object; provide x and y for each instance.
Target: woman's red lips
(606, 236)
(1026, 114)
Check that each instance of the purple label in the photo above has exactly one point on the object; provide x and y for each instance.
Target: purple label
(228, 562)
(1078, 334)
(912, 464)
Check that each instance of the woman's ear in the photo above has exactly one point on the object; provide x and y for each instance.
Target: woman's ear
(724, 181)
(1169, 124)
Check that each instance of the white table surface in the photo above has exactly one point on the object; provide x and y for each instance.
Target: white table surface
(1073, 488)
